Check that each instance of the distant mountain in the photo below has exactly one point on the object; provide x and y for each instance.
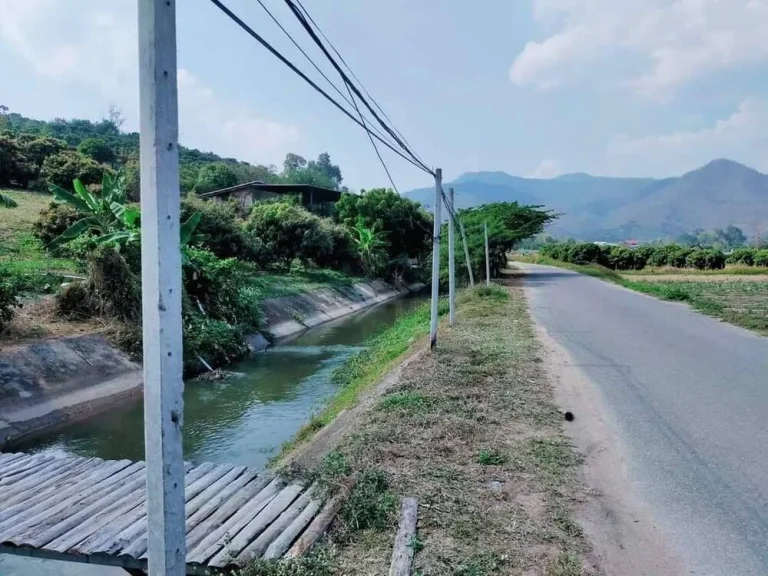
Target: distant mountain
(600, 208)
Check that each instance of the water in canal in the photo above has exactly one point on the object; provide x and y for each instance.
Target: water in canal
(240, 421)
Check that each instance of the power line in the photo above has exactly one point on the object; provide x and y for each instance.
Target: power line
(352, 72)
(341, 72)
(309, 81)
(316, 67)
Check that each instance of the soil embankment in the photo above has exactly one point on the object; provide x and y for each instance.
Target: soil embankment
(54, 381)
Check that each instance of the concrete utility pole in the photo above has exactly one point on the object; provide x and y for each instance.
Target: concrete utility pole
(466, 254)
(487, 262)
(436, 258)
(451, 260)
(161, 287)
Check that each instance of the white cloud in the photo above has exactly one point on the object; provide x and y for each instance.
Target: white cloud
(94, 43)
(741, 137)
(547, 169)
(677, 40)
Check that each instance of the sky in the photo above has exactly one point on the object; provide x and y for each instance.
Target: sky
(535, 88)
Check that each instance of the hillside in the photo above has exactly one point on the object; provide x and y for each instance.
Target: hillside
(601, 208)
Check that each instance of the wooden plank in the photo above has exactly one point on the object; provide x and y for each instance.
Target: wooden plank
(8, 517)
(11, 466)
(41, 481)
(256, 548)
(114, 536)
(23, 465)
(8, 457)
(86, 522)
(23, 502)
(41, 473)
(263, 519)
(194, 517)
(402, 553)
(321, 522)
(210, 492)
(286, 538)
(196, 486)
(60, 506)
(228, 526)
(39, 536)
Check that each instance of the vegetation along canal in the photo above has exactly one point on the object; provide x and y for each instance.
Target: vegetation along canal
(241, 420)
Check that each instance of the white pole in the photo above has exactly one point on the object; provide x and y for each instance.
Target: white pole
(451, 261)
(161, 287)
(436, 258)
(466, 254)
(487, 262)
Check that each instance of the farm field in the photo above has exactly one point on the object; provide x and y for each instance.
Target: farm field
(741, 300)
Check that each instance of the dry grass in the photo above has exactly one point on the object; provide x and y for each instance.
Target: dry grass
(471, 430)
(692, 277)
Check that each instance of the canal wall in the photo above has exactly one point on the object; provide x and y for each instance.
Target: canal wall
(52, 382)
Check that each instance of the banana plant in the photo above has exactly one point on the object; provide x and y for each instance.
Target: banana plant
(370, 244)
(107, 217)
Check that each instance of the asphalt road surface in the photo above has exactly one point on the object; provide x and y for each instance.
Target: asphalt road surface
(688, 397)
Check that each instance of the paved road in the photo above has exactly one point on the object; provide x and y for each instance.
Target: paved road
(688, 396)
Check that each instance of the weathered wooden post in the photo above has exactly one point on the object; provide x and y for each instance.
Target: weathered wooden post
(436, 258)
(161, 287)
(451, 259)
(487, 262)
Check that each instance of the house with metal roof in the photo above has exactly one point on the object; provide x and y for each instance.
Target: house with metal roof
(314, 198)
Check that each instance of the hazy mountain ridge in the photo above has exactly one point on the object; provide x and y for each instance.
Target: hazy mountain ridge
(720, 193)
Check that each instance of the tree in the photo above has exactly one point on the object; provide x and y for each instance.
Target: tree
(405, 225)
(215, 177)
(371, 247)
(97, 149)
(15, 167)
(63, 168)
(320, 172)
(731, 237)
(38, 149)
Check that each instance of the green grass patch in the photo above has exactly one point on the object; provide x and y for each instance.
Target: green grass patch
(300, 280)
(406, 402)
(492, 457)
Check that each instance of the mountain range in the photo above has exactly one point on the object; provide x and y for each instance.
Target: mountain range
(720, 193)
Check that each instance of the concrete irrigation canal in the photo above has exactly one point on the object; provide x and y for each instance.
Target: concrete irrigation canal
(240, 421)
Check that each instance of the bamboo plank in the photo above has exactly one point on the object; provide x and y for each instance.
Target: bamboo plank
(321, 522)
(228, 526)
(402, 553)
(263, 519)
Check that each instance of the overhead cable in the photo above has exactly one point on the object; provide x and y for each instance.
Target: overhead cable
(314, 85)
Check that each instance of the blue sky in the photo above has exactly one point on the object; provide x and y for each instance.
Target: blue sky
(534, 88)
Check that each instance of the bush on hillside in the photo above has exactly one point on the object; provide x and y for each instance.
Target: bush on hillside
(62, 169)
(222, 229)
(761, 258)
(15, 167)
(98, 150)
(743, 256)
(288, 231)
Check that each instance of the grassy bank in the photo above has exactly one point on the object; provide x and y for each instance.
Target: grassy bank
(741, 302)
(472, 432)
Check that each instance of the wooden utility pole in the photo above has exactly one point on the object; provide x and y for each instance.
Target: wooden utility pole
(487, 262)
(436, 258)
(451, 259)
(161, 287)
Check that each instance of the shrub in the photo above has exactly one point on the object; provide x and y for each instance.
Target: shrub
(114, 288)
(9, 296)
(761, 258)
(641, 256)
(677, 256)
(74, 300)
(620, 258)
(660, 256)
(15, 167)
(288, 231)
(223, 232)
(696, 259)
(61, 169)
(216, 341)
(745, 256)
(54, 220)
(714, 260)
(585, 253)
(343, 255)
